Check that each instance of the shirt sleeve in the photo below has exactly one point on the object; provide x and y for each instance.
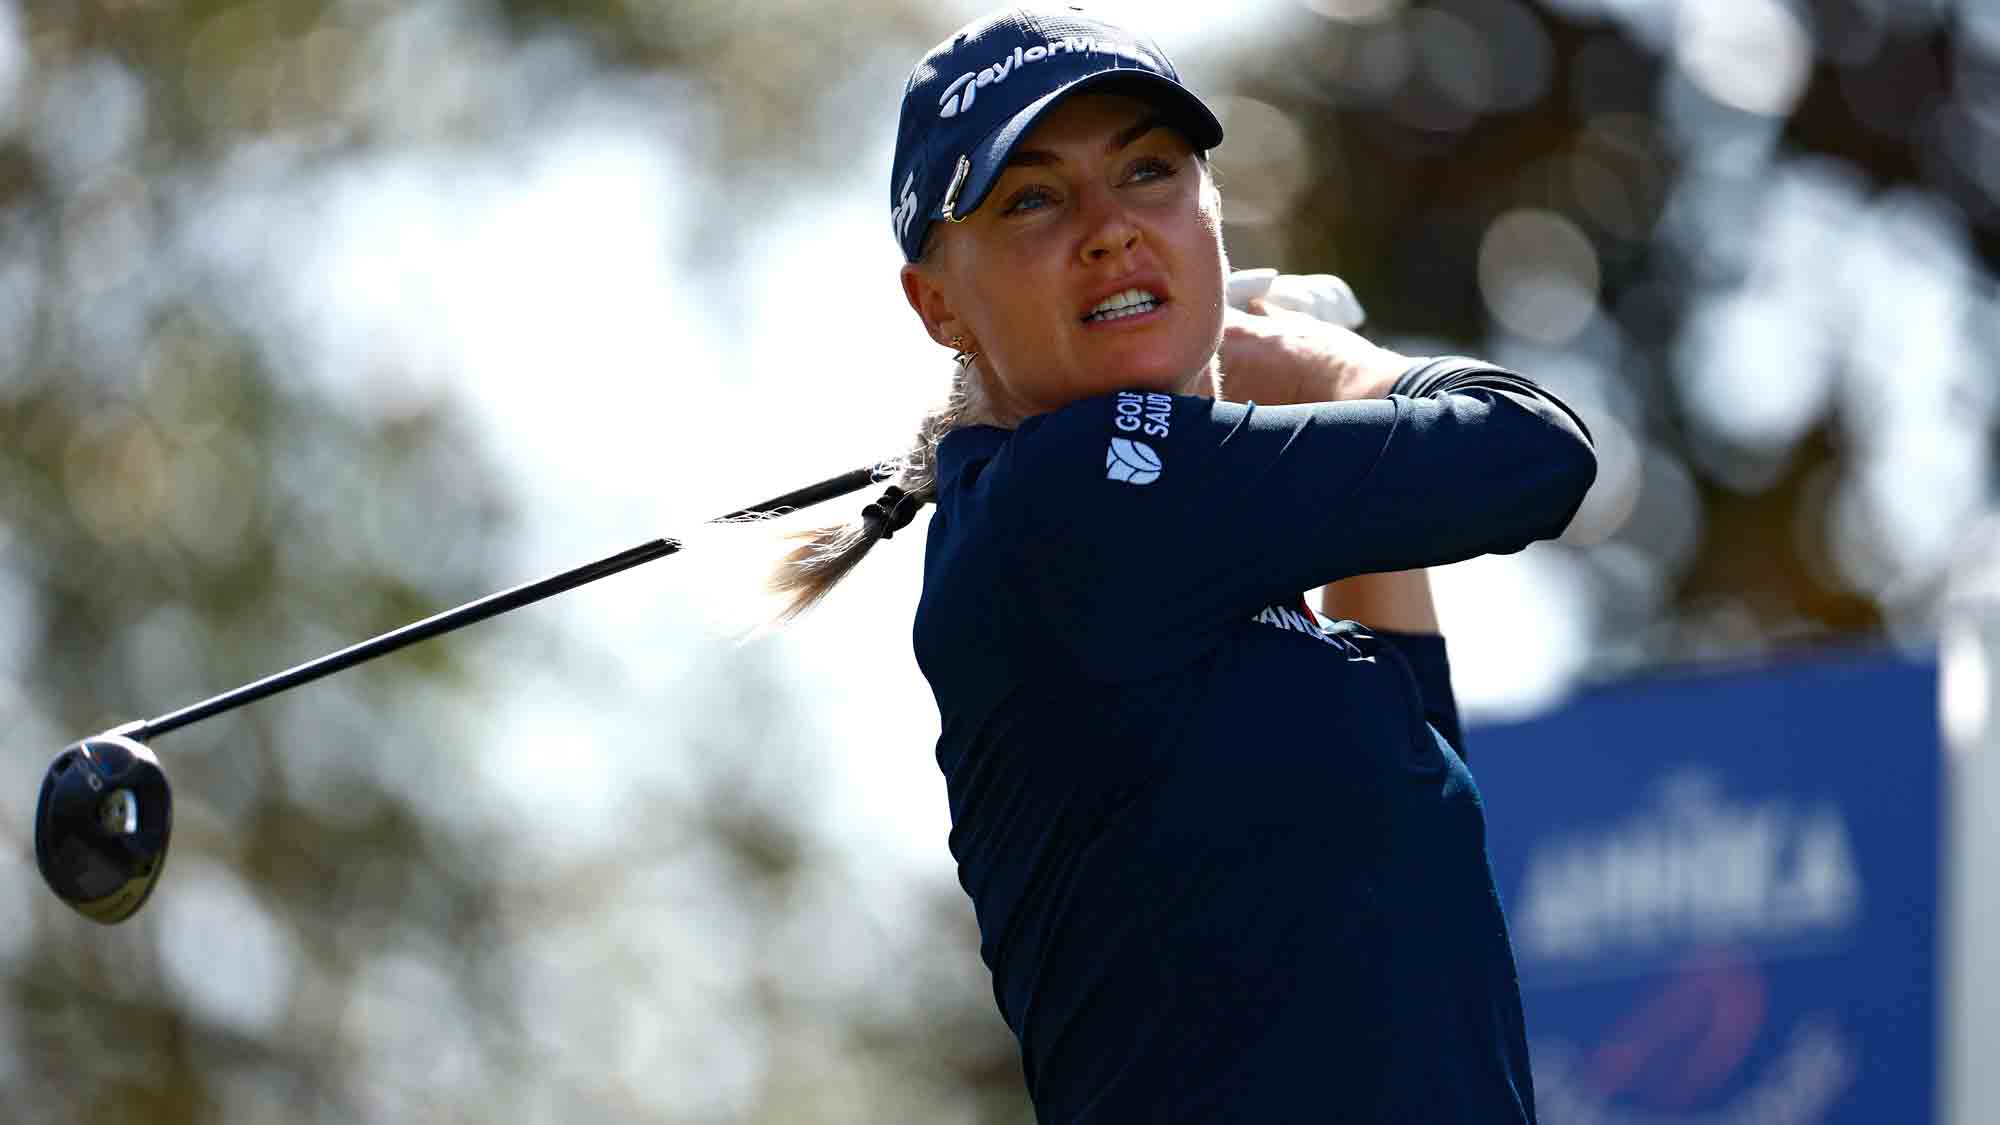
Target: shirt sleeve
(1153, 522)
(1429, 664)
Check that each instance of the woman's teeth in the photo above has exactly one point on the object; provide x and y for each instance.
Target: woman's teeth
(1120, 305)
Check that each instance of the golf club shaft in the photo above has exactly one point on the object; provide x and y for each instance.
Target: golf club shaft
(488, 606)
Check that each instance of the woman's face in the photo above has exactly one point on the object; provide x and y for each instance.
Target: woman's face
(1094, 265)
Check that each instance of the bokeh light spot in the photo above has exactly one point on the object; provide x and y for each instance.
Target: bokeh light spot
(1516, 57)
(1965, 686)
(1753, 55)
(1356, 11)
(91, 117)
(1524, 621)
(230, 961)
(1538, 274)
(114, 473)
(1456, 58)
(1745, 384)
(212, 496)
(1264, 165)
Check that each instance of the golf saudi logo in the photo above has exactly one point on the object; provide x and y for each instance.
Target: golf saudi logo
(1132, 462)
(1152, 414)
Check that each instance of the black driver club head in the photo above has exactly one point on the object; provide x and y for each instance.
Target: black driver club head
(101, 826)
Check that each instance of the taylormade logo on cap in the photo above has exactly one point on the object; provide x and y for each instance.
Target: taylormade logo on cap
(960, 95)
(906, 207)
(958, 125)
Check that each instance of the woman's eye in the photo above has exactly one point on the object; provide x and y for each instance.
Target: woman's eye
(1151, 168)
(1028, 199)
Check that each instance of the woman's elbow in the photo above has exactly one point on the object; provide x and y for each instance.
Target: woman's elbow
(1572, 469)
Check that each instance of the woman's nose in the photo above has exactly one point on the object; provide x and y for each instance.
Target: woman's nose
(1111, 231)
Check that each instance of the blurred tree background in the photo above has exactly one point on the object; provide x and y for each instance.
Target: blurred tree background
(1755, 240)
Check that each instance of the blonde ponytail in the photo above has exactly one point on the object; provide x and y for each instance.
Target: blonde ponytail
(823, 556)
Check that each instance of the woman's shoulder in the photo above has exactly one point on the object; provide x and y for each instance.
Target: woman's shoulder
(1116, 436)
(1004, 492)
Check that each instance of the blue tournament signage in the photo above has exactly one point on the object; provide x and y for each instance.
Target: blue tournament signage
(1723, 894)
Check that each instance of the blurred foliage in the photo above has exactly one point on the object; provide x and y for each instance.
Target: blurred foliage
(1408, 172)
(183, 511)
(180, 515)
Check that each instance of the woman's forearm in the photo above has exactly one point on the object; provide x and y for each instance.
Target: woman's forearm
(1398, 601)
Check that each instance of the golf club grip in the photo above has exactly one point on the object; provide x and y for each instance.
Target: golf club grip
(489, 606)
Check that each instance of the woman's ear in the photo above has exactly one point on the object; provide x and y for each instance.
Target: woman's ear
(931, 304)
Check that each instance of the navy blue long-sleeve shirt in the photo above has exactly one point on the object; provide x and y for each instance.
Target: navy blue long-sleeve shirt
(1226, 860)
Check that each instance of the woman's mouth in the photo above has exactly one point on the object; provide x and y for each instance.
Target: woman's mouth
(1118, 306)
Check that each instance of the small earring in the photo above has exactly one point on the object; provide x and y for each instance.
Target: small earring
(963, 357)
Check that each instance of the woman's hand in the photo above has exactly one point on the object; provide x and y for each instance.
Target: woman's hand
(1277, 357)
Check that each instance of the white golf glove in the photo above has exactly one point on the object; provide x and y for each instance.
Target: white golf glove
(1318, 295)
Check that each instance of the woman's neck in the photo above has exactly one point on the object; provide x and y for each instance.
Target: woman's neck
(986, 404)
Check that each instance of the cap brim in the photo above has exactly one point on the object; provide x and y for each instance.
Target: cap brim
(1184, 111)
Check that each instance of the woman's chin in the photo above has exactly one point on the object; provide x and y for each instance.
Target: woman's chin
(1161, 371)
(1168, 375)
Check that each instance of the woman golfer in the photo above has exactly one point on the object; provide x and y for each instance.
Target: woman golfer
(1227, 860)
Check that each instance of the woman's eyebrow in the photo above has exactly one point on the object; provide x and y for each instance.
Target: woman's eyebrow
(1135, 132)
(1124, 137)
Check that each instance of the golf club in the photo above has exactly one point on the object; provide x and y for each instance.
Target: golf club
(106, 812)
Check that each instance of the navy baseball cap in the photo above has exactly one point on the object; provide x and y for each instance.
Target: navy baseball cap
(974, 96)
